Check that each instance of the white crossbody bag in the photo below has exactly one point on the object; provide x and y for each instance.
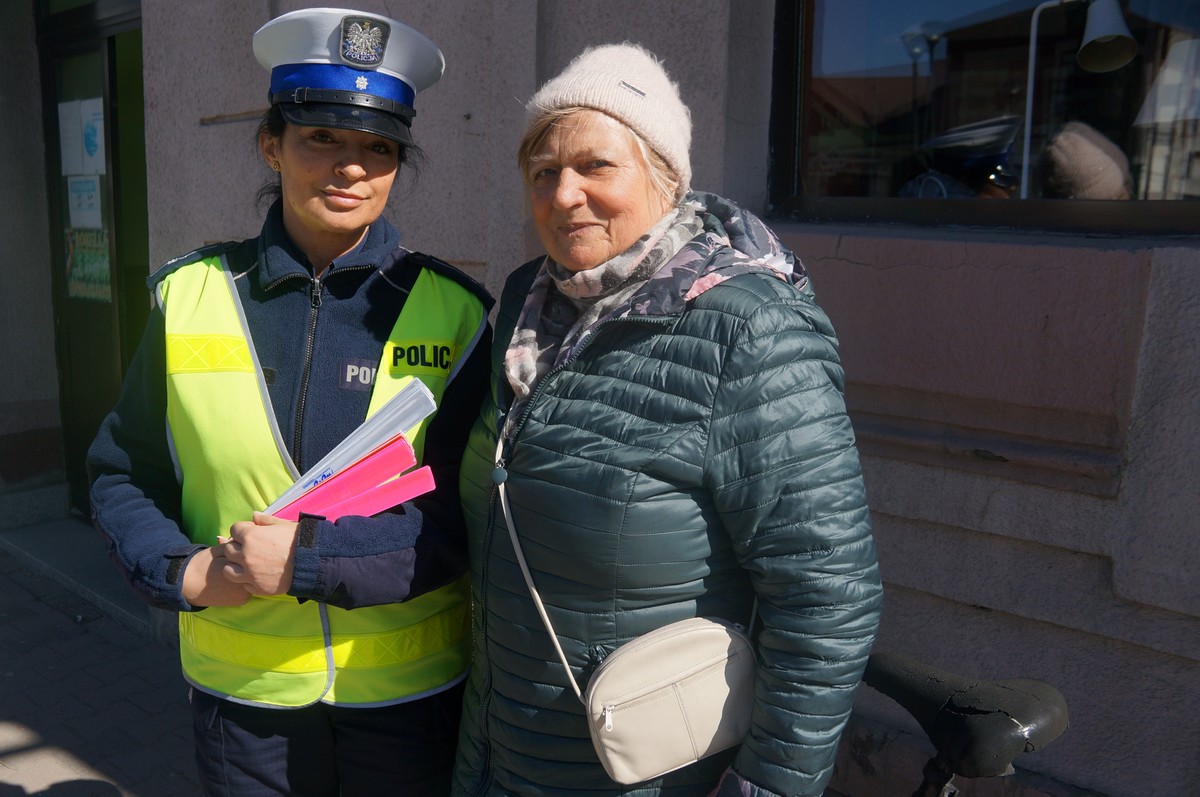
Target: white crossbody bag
(665, 699)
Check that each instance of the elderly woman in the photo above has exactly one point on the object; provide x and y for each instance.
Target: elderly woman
(674, 443)
(325, 658)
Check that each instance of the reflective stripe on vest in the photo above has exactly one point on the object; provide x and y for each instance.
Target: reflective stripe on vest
(232, 461)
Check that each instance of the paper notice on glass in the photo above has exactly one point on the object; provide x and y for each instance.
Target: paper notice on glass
(91, 119)
(70, 137)
(83, 201)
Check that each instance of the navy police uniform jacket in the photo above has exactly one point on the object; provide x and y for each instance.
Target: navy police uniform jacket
(318, 341)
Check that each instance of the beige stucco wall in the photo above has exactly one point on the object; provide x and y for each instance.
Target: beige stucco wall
(1025, 402)
(467, 205)
(1070, 554)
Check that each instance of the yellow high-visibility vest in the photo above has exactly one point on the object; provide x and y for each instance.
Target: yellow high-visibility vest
(231, 459)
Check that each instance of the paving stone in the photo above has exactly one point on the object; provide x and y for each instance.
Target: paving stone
(88, 708)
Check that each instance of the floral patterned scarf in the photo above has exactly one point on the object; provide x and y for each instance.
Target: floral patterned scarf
(562, 305)
(695, 247)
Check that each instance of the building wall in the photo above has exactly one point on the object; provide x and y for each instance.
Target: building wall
(1023, 407)
(1025, 403)
(460, 205)
(31, 470)
(467, 204)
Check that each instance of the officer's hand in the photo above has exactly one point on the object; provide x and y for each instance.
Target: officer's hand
(204, 582)
(259, 554)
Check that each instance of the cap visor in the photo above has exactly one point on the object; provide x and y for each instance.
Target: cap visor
(346, 117)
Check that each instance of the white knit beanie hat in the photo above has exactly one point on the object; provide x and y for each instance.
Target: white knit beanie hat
(628, 83)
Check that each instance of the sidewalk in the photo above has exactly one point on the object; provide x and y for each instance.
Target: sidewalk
(90, 705)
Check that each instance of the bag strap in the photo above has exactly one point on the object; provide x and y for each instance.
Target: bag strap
(537, 598)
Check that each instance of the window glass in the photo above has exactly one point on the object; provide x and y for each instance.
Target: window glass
(935, 99)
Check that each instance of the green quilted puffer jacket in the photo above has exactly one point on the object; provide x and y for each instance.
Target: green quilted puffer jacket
(688, 457)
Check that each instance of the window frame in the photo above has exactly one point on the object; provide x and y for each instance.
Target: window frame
(793, 32)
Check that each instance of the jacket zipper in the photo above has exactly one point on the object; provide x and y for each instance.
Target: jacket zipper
(315, 287)
(306, 370)
(499, 465)
(485, 699)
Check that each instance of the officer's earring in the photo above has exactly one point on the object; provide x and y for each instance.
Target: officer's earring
(275, 166)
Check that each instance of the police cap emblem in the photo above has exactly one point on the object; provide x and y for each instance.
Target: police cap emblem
(363, 41)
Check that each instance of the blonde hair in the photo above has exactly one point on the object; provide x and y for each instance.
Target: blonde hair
(663, 178)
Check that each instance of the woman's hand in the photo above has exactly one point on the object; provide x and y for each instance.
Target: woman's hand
(258, 554)
(204, 582)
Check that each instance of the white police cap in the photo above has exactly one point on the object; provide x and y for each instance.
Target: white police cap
(335, 67)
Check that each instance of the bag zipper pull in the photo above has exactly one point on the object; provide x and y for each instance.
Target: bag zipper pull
(608, 714)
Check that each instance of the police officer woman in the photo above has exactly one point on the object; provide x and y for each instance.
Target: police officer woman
(250, 371)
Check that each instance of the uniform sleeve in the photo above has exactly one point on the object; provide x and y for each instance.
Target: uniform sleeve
(414, 548)
(785, 476)
(135, 495)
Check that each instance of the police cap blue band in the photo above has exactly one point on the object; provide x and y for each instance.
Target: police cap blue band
(287, 78)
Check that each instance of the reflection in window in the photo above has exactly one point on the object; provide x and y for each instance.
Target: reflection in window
(927, 98)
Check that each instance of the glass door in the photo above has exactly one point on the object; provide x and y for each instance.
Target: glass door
(98, 240)
(85, 296)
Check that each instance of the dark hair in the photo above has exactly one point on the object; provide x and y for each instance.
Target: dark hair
(273, 124)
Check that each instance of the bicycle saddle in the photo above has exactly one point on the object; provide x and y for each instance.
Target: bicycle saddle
(978, 727)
